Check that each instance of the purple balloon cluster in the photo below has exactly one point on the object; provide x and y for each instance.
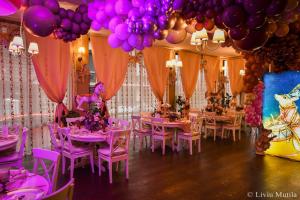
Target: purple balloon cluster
(44, 17)
(133, 24)
(72, 24)
(244, 19)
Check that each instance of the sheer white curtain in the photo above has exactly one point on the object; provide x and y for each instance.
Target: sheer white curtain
(135, 95)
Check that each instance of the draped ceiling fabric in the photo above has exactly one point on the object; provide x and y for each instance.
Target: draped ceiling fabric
(236, 80)
(189, 72)
(155, 62)
(52, 65)
(211, 69)
(110, 65)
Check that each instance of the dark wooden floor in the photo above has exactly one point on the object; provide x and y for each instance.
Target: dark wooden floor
(224, 170)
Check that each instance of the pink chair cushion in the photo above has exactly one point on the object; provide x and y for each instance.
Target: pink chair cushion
(9, 158)
(106, 151)
(76, 149)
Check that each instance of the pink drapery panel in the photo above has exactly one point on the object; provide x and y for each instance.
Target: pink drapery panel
(155, 62)
(110, 65)
(236, 80)
(189, 72)
(52, 65)
(211, 70)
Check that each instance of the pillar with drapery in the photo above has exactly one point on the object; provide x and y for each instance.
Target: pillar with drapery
(189, 72)
(235, 79)
(110, 65)
(155, 62)
(52, 66)
(211, 69)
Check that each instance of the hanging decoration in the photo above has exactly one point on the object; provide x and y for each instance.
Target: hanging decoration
(9, 7)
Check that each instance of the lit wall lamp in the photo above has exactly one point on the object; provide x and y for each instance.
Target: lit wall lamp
(81, 51)
(242, 72)
(175, 62)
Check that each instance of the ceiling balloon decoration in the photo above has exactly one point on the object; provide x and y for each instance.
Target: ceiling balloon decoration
(44, 17)
(136, 24)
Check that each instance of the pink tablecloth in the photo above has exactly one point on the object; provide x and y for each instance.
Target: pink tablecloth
(8, 142)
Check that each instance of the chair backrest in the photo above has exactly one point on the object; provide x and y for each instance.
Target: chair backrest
(136, 122)
(15, 129)
(238, 119)
(23, 142)
(64, 193)
(193, 116)
(65, 139)
(196, 125)
(119, 139)
(124, 124)
(210, 121)
(40, 156)
(72, 120)
(5, 130)
(113, 122)
(53, 127)
(157, 125)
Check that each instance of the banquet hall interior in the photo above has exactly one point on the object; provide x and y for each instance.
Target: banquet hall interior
(149, 99)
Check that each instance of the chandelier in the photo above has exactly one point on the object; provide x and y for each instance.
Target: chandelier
(200, 39)
(175, 62)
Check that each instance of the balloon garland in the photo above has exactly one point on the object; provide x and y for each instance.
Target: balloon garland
(44, 17)
(137, 23)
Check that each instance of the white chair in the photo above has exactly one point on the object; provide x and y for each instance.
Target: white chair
(124, 124)
(193, 135)
(235, 125)
(73, 152)
(118, 150)
(140, 132)
(211, 124)
(64, 193)
(40, 155)
(55, 142)
(15, 159)
(161, 134)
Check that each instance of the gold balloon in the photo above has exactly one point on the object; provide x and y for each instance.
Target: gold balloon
(271, 28)
(180, 24)
(172, 21)
(176, 36)
(282, 30)
(191, 28)
(291, 5)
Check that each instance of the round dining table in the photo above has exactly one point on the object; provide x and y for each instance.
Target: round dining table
(84, 135)
(30, 186)
(177, 124)
(8, 142)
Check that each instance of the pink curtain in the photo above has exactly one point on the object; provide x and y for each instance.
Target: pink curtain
(236, 80)
(110, 65)
(189, 72)
(155, 62)
(212, 69)
(52, 65)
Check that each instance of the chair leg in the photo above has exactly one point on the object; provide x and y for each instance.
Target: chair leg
(63, 164)
(92, 162)
(133, 141)
(178, 144)
(205, 133)
(72, 168)
(117, 167)
(110, 171)
(140, 142)
(215, 134)
(199, 145)
(152, 144)
(146, 141)
(233, 133)
(239, 134)
(163, 147)
(222, 133)
(173, 144)
(99, 165)
(127, 169)
(191, 146)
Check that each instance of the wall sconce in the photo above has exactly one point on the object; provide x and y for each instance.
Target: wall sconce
(81, 51)
(242, 72)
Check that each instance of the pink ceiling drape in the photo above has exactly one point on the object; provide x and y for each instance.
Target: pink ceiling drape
(155, 62)
(211, 69)
(236, 80)
(52, 66)
(189, 72)
(110, 65)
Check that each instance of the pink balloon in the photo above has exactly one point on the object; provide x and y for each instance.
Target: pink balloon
(122, 7)
(96, 26)
(110, 8)
(135, 40)
(138, 3)
(114, 41)
(114, 22)
(126, 47)
(101, 16)
(122, 31)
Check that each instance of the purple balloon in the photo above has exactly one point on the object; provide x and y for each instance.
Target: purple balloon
(75, 28)
(122, 7)
(134, 13)
(219, 22)
(92, 12)
(77, 17)
(210, 13)
(138, 3)
(70, 14)
(163, 22)
(276, 7)
(114, 22)
(135, 40)
(110, 8)
(114, 41)
(255, 6)
(84, 28)
(86, 19)
(256, 21)
(58, 20)
(122, 31)
(52, 5)
(178, 4)
(39, 20)
(151, 7)
(63, 13)
(126, 47)
(238, 33)
(83, 8)
(227, 3)
(101, 16)
(160, 34)
(96, 25)
(66, 24)
(35, 3)
(148, 40)
(233, 16)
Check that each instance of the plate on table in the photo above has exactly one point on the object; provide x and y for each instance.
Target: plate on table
(25, 194)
